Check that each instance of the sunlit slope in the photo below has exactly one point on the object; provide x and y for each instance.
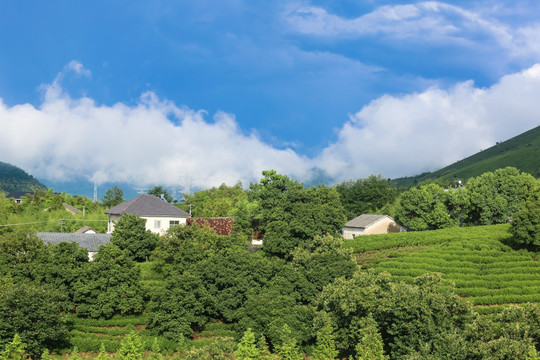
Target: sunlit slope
(484, 269)
(521, 152)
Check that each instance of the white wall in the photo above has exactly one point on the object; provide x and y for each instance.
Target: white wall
(161, 228)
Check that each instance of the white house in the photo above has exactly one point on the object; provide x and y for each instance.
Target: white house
(368, 224)
(159, 215)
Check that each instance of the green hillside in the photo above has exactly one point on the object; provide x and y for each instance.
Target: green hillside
(521, 152)
(14, 179)
(485, 270)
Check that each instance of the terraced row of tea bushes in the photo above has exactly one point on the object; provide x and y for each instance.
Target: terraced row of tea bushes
(373, 243)
(475, 259)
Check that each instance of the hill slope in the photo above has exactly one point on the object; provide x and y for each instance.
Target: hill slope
(484, 270)
(521, 152)
(13, 179)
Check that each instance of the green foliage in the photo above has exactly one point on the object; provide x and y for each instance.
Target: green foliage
(247, 347)
(113, 197)
(131, 347)
(525, 226)
(13, 179)
(233, 276)
(474, 258)
(158, 191)
(424, 208)
(365, 196)
(46, 355)
(102, 355)
(184, 246)
(370, 345)
(34, 312)
(217, 349)
(215, 202)
(407, 315)
(130, 235)
(22, 256)
(325, 346)
(495, 196)
(181, 307)
(291, 215)
(15, 350)
(109, 286)
(288, 348)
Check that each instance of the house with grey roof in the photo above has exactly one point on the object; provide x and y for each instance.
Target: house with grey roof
(368, 224)
(160, 216)
(89, 241)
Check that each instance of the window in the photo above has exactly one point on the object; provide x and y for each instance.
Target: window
(157, 224)
(174, 223)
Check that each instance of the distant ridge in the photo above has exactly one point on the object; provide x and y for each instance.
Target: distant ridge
(521, 152)
(14, 179)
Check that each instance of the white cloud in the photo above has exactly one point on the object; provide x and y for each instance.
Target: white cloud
(157, 142)
(431, 21)
(405, 135)
(78, 68)
(67, 138)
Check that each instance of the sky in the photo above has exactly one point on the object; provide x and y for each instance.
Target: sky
(193, 94)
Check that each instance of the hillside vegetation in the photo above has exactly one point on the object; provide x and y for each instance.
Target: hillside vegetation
(484, 269)
(520, 152)
(13, 179)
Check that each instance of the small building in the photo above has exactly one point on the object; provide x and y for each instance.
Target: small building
(17, 196)
(221, 225)
(368, 224)
(89, 241)
(86, 230)
(72, 209)
(159, 214)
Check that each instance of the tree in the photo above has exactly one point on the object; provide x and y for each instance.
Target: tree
(131, 347)
(495, 196)
(408, 315)
(110, 285)
(288, 348)
(370, 346)
(183, 306)
(35, 312)
(130, 235)
(113, 197)
(15, 350)
(325, 346)
(424, 208)
(298, 215)
(247, 347)
(365, 195)
(215, 202)
(158, 191)
(525, 225)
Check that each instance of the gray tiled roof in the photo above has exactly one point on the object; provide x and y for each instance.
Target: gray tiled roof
(364, 220)
(89, 241)
(147, 205)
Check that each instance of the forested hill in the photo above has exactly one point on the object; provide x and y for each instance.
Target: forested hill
(13, 179)
(520, 152)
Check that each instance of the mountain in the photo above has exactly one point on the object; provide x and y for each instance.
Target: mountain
(14, 179)
(521, 152)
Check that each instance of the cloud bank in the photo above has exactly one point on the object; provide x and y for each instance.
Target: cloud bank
(156, 141)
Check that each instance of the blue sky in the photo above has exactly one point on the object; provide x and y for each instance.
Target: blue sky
(157, 92)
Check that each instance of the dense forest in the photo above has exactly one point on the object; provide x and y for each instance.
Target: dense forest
(14, 179)
(304, 293)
